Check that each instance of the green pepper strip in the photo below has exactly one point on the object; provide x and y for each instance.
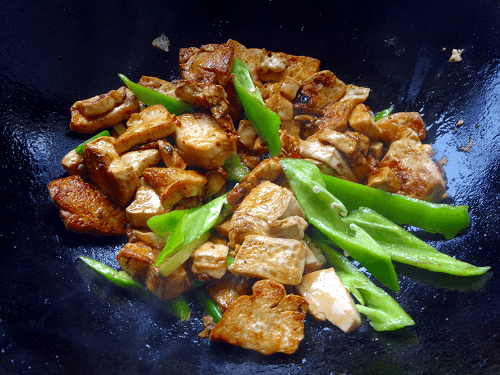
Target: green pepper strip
(190, 229)
(230, 260)
(79, 149)
(384, 113)
(325, 212)
(208, 304)
(265, 122)
(177, 306)
(384, 312)
(152, 97)
(406, 248)
(431, 217)
(235, 168)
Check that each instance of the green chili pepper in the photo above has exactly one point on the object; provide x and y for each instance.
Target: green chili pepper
(177, 307)
(325, 212)
(431, 217)
(265, 121)
(384, 113)
(235, 168)
(406, 248)
(192, 228)
(384, 312)
(79, 149)
(230, 260)
(152, 97)
(208, 304)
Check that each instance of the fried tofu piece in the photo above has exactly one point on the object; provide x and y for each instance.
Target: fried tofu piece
(363, 121)
(84, 208)
(226, 290)
(418, 175)
(170, 156)
(315, 259)
(141, 159)
(216, 181)
(103, 111)
(336, 115)
(73, 163)
(173, 184)
(385, 179)
(395, 126)
(211, 63)
(329, 299)
(152, 124)
(157, 84)
(268, 321)
(301, 67)
(319, 90)
(138, 259)
(146, 204)
(202, 141)
(279, 259)
(210, 259)
(268, 210)
(107, 170)
(206, 95)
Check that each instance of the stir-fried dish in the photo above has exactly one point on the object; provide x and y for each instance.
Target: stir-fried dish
(260, 184)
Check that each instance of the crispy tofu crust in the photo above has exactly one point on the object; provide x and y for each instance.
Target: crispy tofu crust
(268, 321)
(84, 208)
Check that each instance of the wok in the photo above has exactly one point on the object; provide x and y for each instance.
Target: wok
(57, 317)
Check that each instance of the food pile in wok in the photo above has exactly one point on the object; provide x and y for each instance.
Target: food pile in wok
(264, 184)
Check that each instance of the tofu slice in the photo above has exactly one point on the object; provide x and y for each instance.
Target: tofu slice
(395, 126)
(226, 290)
(173, 184)
(73, 163)
(138, 259)
(210, 259)
(202, 141)
(147, 203)
(152, 124)
(106, 170)
(263, 257)
(329, 299)
(363, 121)
(268, 321)
(140, 160)
(84, 208)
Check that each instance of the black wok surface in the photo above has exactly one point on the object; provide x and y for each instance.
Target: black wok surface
(57, 317)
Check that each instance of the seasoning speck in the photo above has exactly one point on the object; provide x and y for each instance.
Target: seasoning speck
(460, 122)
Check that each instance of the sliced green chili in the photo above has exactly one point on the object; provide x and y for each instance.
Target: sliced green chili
(325, 212)
(177, 306)
(79, 149)
(230, 260)
(384, 312)
(384, 113)
(151, 97)
(208, 304)
(431, 217)
(265, 121)
(235, 168)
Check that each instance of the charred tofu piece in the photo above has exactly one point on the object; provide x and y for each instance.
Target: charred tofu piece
(170, 156)
(147, 203)
(103, 111)
(138, 259)
(362, 120)
(418, 175)
(140, 160)
(84, 208)
(74, 163)
(268, 210)
(106, 170)
(319, 90)
(301, 67)
(210, 259)
(313, 148)
(206, 95)
(268, 321)
(226, 290)
(152, 124)
(210, 63)
(173, 184)
(395, 126)
(202, 141)
(157, 84)
(329, 299)
(336, 115)
(279, 259)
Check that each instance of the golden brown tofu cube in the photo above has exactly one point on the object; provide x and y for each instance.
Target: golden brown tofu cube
(84, 208)
(268, 321)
